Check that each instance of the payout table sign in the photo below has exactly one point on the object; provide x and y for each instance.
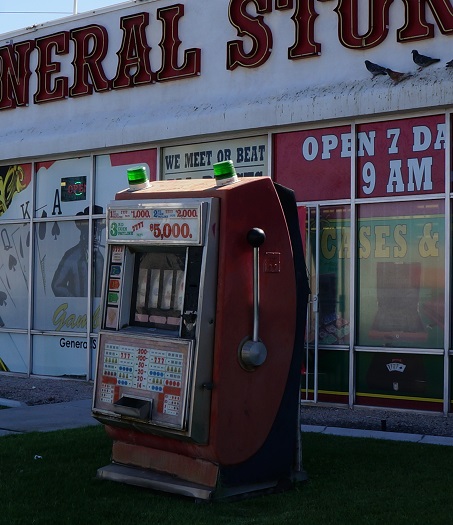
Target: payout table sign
(172, 224)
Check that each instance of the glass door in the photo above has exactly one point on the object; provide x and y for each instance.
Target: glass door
(325, 369)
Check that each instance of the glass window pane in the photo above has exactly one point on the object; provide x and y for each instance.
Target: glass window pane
(333, 279)
(111, 172)
(60, 356)
(15, 191)
(98, 251)
(159, 284)
(14, 353)
(61, 276)
(390, 379)
(14, 278)
(62, 187)
(401, 269)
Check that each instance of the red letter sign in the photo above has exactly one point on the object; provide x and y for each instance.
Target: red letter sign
(134, 53)
(253, 27)
(417, 28)
(15, 74)
(348, 28)
(170, 43)
(59, 43)
(89, 63)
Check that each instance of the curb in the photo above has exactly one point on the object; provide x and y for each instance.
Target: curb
(379, 434)
(10, 403)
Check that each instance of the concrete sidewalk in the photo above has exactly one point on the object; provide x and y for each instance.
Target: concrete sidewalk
(46, 418)
(20, 419)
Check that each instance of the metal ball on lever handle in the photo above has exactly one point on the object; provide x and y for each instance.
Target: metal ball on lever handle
(256, 237)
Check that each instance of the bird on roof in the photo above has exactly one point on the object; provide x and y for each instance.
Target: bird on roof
(423, 61)
(396, 76)
(449, 64)
(375, 69)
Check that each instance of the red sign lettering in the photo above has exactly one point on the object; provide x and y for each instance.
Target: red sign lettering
(49, 88)
(401, 157)
(416, 26)
(133, 58)
(15, 74)
(88, 64)
(252, 48)
(170, 43)
(348, 26)
(304, 20)
(253, 27)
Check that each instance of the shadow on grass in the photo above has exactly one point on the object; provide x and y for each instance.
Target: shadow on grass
(351, 481)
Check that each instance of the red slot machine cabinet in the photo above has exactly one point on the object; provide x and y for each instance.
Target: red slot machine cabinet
(199, 355)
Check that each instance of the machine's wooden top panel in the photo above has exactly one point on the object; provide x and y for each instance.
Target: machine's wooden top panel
(190, 187)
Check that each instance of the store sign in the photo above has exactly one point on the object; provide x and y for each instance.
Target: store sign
(73, 189)
(395, 158)
(90, 47)
(316, 164)
(194, 161)
(86, 48)
(401, 157)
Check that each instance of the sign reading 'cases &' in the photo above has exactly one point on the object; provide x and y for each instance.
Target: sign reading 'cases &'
(174, 224)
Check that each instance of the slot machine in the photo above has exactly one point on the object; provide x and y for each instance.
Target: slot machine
(200, 348)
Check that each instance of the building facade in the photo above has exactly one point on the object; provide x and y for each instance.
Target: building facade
(280, 87)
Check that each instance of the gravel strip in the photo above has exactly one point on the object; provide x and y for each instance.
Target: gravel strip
(433, 424)
(40, 391)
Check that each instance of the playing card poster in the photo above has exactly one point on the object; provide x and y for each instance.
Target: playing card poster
(65, 288)
(15, 199)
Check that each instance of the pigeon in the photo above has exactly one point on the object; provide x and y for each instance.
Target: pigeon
(375, 69)
(449, 64)
(423, 61)
(396, 76)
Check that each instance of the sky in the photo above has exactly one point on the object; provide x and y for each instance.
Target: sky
(24, 13)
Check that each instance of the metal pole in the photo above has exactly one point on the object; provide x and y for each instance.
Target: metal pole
(256, 294)
(75, 7)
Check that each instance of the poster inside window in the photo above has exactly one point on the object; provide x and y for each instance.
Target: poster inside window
(401, 274)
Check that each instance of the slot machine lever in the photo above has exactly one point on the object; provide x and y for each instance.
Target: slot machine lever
(253, 353)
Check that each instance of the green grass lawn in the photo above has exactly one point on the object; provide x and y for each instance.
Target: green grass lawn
(351, 481)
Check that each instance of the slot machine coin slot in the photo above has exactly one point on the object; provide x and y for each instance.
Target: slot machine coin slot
(133, 407)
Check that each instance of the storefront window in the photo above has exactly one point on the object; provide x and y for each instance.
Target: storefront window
(111, 172)
(98, 251)
(14, 275)
(59, 356)
(392, 379)
(61, 276)
(401, 269)
(14, 353)
(330, 275)
(316, 164)
(15, 191)
(62, 187)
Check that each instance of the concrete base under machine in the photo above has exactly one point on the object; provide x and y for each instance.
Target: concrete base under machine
(167, 483)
